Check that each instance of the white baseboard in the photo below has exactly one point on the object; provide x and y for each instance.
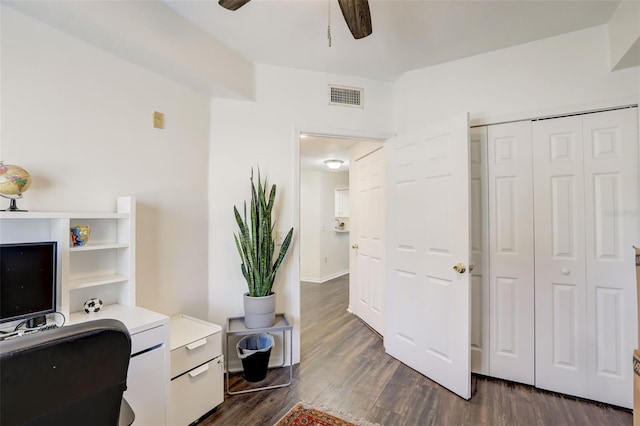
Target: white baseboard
(325, 278)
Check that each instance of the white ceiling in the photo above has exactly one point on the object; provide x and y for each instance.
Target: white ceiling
(315, 149)
(407, 34)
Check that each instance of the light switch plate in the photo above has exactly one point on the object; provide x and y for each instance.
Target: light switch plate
(158, 120)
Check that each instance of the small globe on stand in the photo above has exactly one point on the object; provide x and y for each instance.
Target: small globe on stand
(14, 181)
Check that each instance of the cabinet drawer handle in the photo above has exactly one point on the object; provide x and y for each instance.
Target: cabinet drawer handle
(198, 371)
(196, 344)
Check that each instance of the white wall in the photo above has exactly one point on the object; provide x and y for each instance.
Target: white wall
(246, 134)
(558, 72)
(324, 254)
(79, 120)
(624, 35)
(334, 257)
(151, 34)
(310, 228)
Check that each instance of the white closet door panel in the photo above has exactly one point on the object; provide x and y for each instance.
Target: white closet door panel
(479, 251)
(511, 264)
(369, 195)
(428, 303)
(561, 359)
(611, 197)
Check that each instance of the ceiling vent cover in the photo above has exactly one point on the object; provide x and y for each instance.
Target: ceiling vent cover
(346, 96)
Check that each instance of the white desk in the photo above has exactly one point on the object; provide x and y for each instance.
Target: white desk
(148, 377)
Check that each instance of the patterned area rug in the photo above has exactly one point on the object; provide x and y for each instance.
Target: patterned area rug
(304, 415)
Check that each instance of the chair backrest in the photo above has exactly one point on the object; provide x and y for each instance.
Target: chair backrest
(73, 375)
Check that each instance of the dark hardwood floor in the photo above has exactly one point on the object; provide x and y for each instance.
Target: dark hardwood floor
(344, 367)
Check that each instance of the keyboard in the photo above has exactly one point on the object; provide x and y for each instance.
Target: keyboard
(20, 333)
(48, 327)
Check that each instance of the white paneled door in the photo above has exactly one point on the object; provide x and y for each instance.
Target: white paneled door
(612, 212)
(511, 252)
(586, 196)
(561, 344)
(428, 302)
(368, 228)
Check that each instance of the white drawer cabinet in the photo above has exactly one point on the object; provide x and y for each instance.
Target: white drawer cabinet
(197, 392)
(197, 369)
(195, 353)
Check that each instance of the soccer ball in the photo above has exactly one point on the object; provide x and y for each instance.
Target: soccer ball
(92, 305)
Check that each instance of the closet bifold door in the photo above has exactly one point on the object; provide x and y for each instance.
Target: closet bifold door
(511, 250)
(586, 221)
(561, 358)
(611, 198)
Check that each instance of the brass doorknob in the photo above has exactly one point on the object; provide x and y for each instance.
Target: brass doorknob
(355, 246)
(460, 268)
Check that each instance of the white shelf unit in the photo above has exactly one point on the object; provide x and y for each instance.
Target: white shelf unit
(104, 268)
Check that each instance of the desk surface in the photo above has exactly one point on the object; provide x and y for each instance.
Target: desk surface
(136, 319)
(184, 329)
(235, 326)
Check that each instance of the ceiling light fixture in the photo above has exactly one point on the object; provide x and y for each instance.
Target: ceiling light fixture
(333, 164)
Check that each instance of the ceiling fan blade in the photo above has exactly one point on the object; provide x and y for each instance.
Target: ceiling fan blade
(358, 17)
(232, 4)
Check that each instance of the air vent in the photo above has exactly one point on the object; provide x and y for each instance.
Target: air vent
(346, 96)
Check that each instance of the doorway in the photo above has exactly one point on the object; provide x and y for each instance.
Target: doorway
(324, 207)
(441, 144)
(326, 220)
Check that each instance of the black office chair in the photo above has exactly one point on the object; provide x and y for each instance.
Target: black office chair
(73, 375)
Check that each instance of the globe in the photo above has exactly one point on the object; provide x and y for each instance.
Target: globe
(14, 180)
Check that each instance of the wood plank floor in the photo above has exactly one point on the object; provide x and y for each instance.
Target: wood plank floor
(344, 367)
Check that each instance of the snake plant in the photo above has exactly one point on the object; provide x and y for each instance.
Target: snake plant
(255, 242)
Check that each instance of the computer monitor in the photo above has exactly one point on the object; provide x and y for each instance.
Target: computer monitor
(27, 281)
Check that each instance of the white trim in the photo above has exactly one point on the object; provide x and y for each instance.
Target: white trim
(311, 280)
(480, 120)
(297, 130)
(339, 132)
(325, 278)
(295, 266)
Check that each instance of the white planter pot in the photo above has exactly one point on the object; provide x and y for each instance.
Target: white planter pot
(259, 312)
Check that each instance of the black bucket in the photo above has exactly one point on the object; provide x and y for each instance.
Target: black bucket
(254, 352)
